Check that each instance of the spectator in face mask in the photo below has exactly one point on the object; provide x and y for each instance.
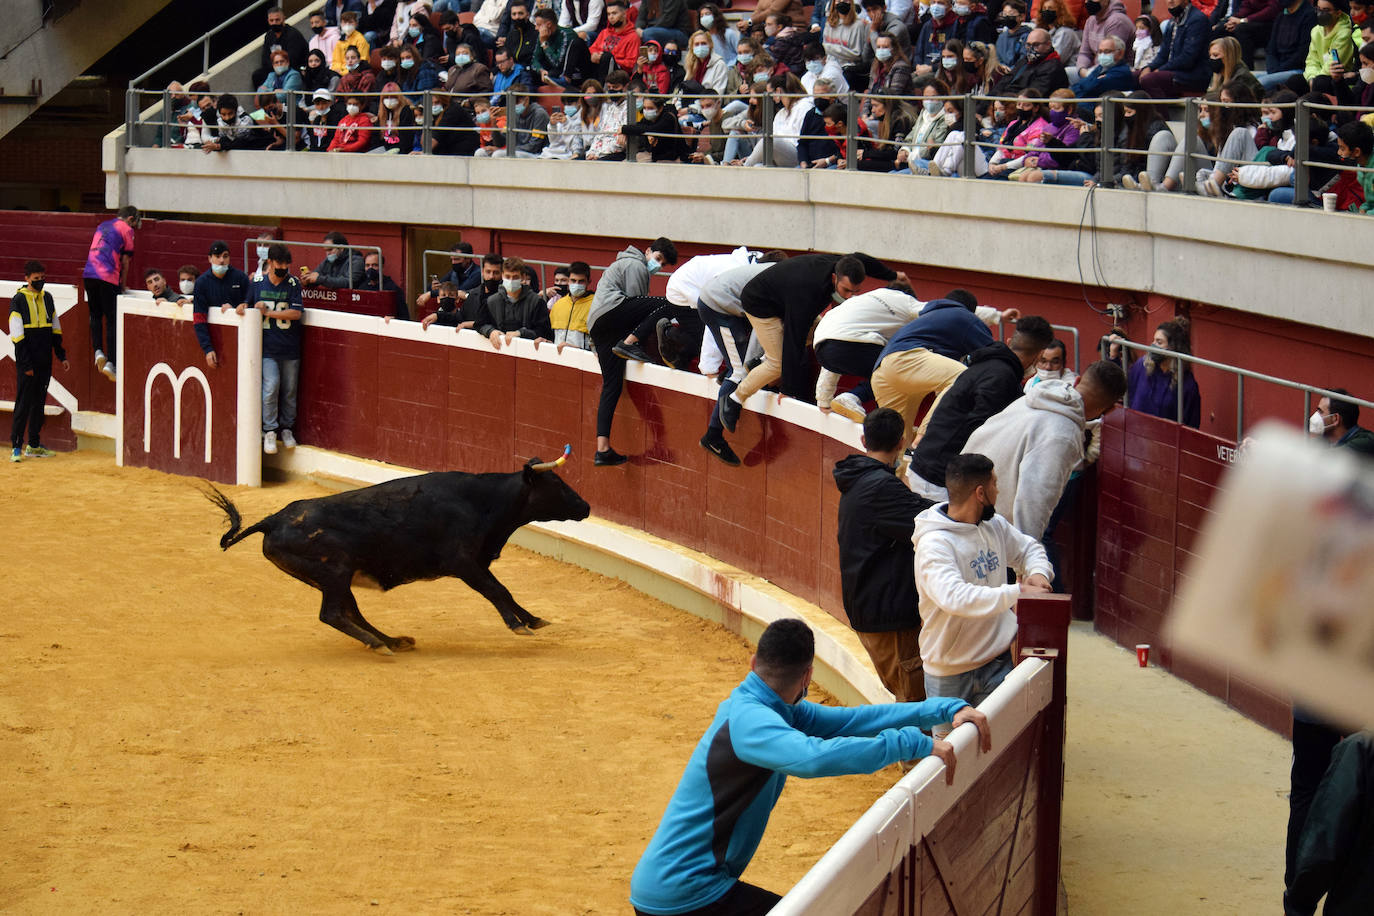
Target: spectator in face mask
(467, 74)
(349, 37)
(342, 267)
(282, 79)
(280, 36)
(515, 310)
(1057, 19)
(416, 75)
(1012, 33)
(1180, 67)
(1154, 380)
(323, 36)
(1051, 364)
(562, 57)
(321, 120)
(882, 22)
(1338, 422)
(1106, 19)
(972, 23)
(354, 133)
(1041, 70)
(221, 287)
(375, 281)
(186, 280)
(531, 122)
(317, 75)
(568, 314)
(359, 77)
(821, 66)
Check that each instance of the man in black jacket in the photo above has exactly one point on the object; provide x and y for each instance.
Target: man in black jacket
(283, 36)
(1042, 70)
(783, 303)
(515, 310)
(993, 380)
(877, 515)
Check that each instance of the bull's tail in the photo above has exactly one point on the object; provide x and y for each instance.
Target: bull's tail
(233, 535)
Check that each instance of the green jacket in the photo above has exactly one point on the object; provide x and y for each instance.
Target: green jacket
(1319, 51)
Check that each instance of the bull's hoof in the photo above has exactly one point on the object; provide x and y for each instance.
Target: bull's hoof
(522, 630)
(403, 644)
(381, 650)
(537, 623)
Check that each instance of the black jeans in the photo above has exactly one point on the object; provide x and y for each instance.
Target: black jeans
(849, 358)
(29, 398)
(636, 315)
(740, 330)
(740, 900)
(1312, 746)
(100, 301)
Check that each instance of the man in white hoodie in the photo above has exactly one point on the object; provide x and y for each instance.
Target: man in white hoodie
(1038, 440)
(968, 616)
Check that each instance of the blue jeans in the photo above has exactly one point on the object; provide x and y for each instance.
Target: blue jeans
(280, 380)
(972, 686)
(1066, 177)
(1271, 80)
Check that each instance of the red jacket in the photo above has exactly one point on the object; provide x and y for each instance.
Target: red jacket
(354, 134)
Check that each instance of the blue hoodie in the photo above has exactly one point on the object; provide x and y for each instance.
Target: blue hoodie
(945, 327)
(718, 813)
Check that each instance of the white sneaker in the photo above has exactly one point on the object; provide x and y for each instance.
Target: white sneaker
(100, 360)
(849, 407)
(269, 443)
(934, 171)
(108, 370)
(1145, 183)
(287, 439)
(1129, 183)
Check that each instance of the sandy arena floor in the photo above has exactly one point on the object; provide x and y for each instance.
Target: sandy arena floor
(178, 732)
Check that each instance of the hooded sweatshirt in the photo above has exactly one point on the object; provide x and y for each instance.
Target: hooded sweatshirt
(968, 614)
(877, 515)
(991, 382)
(945, 327)
(626, 278)
(1035, 443)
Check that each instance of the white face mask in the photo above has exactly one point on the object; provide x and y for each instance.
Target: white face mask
(1318, 424)
(353, 109)
(951, 118)
(437, 108)
(391, 103)
(188, 287)
(576, 289)
(347, 29)
(1367, 74)
(512, 286)
(1045, 374)
(262, 252)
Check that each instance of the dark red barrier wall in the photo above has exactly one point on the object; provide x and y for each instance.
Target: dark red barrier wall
(1157, 480)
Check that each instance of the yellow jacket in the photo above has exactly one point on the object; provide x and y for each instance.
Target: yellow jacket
(356, 40)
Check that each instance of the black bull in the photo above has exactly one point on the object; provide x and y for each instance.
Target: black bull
(447, 523)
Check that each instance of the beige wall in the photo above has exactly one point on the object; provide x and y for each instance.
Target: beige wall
(1216, 252)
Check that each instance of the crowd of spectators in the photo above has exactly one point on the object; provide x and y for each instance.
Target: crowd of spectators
(532, 80)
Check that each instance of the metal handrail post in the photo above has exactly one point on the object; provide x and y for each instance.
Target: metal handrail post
(426, 130)
(970, 169)
(767, 127)
(1240, 408)
(130, 113)
(203, 41)
(291, 104)
(631, 140)
(851, 131)
(1302, 146)
(205, 54)
(166, 118)
(1106, 166)
(1179, 369)
(510, 123)
(1190, 146)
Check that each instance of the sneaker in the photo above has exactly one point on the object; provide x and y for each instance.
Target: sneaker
(108, 370)
(1129, 183)
(849, 407)
(717, 446)
(16, 456)
(1145, 183)
(287, 439)
(608, 459)
(934, 171)
(38, 451)
(669, 342)
(1210, 188)
(729, 411)
(921, 170)
(100, 360)
(269, 443)
(632, 351)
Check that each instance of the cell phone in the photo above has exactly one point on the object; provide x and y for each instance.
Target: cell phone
(1335, 57)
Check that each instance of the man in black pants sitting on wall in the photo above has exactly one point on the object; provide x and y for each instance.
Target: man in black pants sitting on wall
(623, 314)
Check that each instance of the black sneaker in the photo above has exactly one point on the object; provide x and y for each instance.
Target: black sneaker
(632, 351)
(608, 459)
(721, 449)
(729, 410)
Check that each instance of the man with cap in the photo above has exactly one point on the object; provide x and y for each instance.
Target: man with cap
(764, 732)
(322, 121)
(223, 286)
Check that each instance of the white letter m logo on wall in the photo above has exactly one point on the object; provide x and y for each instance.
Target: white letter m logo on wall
(178, 382)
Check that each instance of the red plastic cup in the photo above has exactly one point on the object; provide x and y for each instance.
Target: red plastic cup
(1142, 654)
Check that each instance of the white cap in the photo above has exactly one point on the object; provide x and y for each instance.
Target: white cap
(324, 94)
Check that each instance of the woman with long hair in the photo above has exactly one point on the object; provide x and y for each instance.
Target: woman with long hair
(395, 127)
(980, 63)
(702, 64)
(1227, 66)
(1148, 137)
(890, 73)
(1152, 382)
(1055, 17)
(724, 36)
(845, 39)
(894, 119)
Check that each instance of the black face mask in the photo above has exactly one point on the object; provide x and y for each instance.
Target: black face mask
(1008, 22)
(1049, 17)
(670, 58)
(37, 285)
(970, 67)
(373, 274)
(448, 304)
(317, 29)
(1216, 63)
(1092, 7)
(491, 286)
(276, 29)
(1177, 11)
(561, 288)
(843, 8)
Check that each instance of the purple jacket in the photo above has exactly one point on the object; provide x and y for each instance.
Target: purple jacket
(1153, 393)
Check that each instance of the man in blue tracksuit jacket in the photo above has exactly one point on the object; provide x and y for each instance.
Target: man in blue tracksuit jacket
(761, 734)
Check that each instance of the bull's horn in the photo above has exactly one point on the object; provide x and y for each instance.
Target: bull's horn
(550, 465)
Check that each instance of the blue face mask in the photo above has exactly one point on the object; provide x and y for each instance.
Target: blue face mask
(1206, 122)
(520, 108)
(462, 60)
(571, 110)
(654, 265)
(1106, 61)
(483, 117)
(219, 270)
(745, 58)
(407, 63)
(332, 257)
(814, 67)
(413, 32)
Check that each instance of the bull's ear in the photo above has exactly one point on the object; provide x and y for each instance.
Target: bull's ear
(529, 469)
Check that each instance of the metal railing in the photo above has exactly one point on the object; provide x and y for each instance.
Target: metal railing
(1240, 374)
(536, 262)
(1188, 152)
(347, 249)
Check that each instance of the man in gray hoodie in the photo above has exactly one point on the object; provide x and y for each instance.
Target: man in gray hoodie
(622, 314)
(1038, 440)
